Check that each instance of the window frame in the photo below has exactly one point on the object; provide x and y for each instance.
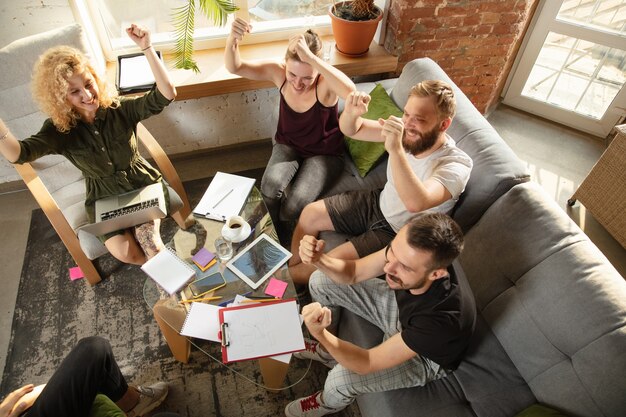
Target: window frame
(87, 12)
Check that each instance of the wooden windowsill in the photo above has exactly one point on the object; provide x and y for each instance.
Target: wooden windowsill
(214, 79)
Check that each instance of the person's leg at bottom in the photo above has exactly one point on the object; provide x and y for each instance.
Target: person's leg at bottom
(88, 369)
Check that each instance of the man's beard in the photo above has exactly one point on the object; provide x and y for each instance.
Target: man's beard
(425, 142)
(417, 286)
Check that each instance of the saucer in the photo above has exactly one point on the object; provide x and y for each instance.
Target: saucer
(243, 235)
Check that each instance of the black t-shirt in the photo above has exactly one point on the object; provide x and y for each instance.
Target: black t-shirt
(438, 324)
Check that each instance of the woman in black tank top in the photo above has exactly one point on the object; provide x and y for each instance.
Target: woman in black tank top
(307, 155)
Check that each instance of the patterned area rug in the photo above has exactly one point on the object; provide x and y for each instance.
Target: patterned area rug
(52, 314)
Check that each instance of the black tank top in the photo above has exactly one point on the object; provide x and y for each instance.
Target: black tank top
(313, 132)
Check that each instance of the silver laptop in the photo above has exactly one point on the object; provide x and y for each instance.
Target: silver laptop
(128, 209)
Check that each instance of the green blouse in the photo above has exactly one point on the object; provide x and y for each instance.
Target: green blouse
(105, 150)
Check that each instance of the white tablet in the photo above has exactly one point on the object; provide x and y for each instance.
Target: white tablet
(259, 260)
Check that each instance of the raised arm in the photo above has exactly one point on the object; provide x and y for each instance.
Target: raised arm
(390, 353)
(342, 271)
(141, 36)
(416, 195)
(258, 70)
(353, 124)
(335, 83)
(9, 146)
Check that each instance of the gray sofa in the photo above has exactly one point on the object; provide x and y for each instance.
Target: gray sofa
(551, 323)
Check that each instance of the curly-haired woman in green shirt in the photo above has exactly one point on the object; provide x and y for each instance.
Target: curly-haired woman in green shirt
(94, 130)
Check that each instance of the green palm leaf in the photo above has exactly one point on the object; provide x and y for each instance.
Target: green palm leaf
(183, 19)
(217, 11)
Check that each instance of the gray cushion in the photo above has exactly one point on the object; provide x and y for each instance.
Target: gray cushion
(23, 117)
(496, 168)
(552, 300)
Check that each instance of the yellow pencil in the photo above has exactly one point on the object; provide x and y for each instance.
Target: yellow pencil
(260, 300)
(200, 299)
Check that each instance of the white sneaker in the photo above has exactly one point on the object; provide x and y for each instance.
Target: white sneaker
(150, 397)
(310, 406)
(314, 351)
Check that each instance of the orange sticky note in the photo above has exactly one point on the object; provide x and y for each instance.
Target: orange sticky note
(276, 288)
(76, 273)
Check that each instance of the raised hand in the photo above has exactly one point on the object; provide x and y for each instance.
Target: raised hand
(393, 129)
(311, 249)
(298, 45)
(316, 318)
(140, 35)
(356, 104)
(238, 30)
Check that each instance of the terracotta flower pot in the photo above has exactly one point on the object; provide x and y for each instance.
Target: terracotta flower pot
(353, 38)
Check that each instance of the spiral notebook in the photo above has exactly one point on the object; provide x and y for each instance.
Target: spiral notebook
(203, 322)
(225, 196)
(168, 270)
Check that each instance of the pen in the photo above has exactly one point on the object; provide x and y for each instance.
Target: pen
(200, 299)
(259, 300)
(261, 297)
(222, 199)
(225, 303)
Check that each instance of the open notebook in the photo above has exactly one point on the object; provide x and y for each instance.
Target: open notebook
(168, 270)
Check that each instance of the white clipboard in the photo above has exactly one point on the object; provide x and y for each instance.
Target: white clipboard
(225, 196)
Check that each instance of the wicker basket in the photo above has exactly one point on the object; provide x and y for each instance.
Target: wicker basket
(603, 191)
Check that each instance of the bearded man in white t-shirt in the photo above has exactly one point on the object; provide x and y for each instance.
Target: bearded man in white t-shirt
(425, 172)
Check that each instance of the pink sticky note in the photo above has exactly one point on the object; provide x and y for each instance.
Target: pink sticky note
(76, 273)
(276, 288)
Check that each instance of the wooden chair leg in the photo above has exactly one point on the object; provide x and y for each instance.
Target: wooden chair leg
(183, 217)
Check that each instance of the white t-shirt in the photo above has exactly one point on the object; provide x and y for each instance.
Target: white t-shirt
(449, 165)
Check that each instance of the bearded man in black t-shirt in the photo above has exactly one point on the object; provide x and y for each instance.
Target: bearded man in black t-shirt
(425, 310)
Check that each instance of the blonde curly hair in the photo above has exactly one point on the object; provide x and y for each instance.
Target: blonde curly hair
(50, 85)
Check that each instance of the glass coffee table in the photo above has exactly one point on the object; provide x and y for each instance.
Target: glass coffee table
(170, 313)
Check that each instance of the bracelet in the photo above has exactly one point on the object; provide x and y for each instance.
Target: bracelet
(146, 48)
(3, 137)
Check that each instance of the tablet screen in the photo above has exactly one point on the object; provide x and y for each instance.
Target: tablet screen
(259, 260)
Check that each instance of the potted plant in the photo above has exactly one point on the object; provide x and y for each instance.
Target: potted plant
(354, 24)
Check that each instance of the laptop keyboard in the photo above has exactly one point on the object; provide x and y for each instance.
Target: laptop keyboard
(129, 209)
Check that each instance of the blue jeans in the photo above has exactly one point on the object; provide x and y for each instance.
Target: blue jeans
(375, 302)
(308, 177)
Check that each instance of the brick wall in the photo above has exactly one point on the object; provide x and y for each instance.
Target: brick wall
(474, 41)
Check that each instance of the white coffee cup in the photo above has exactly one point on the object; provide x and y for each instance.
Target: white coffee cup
(236, 229)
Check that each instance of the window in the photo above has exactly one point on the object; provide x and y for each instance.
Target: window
(573, 68)
(271, 19)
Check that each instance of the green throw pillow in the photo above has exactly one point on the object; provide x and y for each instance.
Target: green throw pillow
(104, 407)
(538, 410)
(366, 154)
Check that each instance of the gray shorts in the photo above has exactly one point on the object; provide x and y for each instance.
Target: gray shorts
(357, 213)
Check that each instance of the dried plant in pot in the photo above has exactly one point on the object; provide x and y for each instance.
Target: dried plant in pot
(354, 24)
